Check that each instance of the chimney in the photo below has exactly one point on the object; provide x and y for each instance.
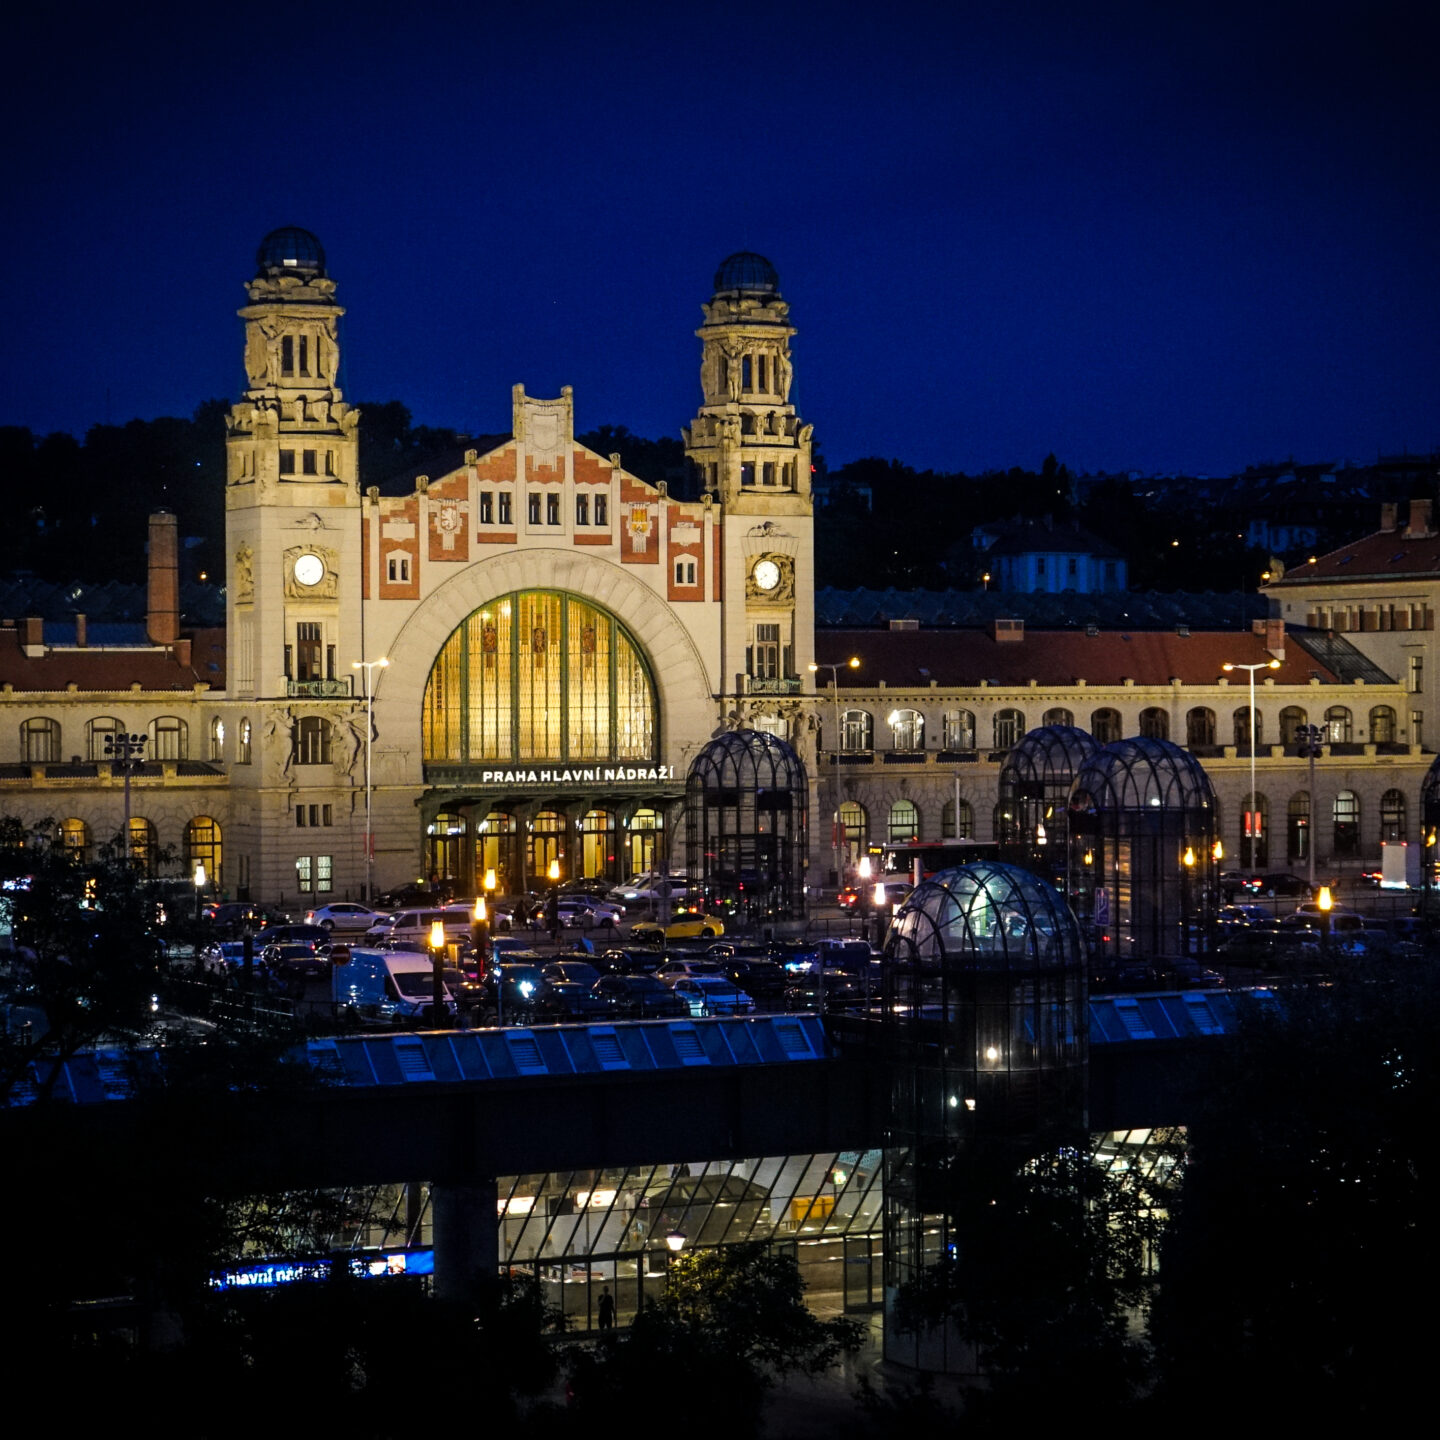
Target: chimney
(79, 630)
(1419, 525)
(162, 617)
(1389, 516)
(1007, 631)
(1275, 637)
(182, 650)
(32, 636)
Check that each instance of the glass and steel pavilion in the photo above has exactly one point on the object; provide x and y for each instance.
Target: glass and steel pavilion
(1034, 797)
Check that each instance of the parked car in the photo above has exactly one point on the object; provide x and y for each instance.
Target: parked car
(311, 935)
(1282, 882)
(712, 995)
(639, 960)
(297, 960)
(762, 978)
(342, 915)
(683, 927)
(842, 992)
(677, 967)
(639, 997)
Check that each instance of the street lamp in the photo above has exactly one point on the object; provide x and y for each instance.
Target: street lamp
(367, 666)
(853, 663)
(1310, 738)
(124, 753)
(1254, 813)
(199, 885)
(437, 973)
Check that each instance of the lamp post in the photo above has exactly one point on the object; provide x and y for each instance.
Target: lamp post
(437, 974)
(853, 663)
(124, 753)
(1310, 738)
(368, 666)
(1254, 812)
(199, 878)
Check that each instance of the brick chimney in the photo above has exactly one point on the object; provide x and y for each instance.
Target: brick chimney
(1389, 516)
(32, 636)
(79, 630)
(1275, 637)
(162, 617)
(1419, 525)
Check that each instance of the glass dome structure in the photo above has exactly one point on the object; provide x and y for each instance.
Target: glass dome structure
(1144, 876)
(747, 272)
(746, 809)
(290, 250)
(1034, 797)
(1429, 834)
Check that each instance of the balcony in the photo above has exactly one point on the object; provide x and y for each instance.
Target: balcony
(319, 689)
(785, 685)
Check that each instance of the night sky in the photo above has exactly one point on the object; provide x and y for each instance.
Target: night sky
(1156, 237)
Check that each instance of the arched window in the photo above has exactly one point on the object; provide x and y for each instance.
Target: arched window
(217, 739)
(242, 749)
(310, 741)
(1155, 723)
(1242, 728)
(1347, 824)
(40, 741)
(907, 730)
(1338, 725)
(202, 847)
(904, 822)
(645, 827)
(444, 841)
(539, 675)
(1255, 833)
(1200, 728)
(96, 734)
(169, 739)
(1297, 826)
(857, 731)
(959, 730)
(1292, 717)
(1382, 725)
(1105, 726)
(1009, 727)
(497, 848)
(597, 843)
(966, 828)
(1058, 716)
(143, 845)
(854, 833)
(75, 837)
(1392, 816)
(548, 847)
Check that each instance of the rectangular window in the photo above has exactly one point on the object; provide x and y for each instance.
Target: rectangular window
(308, 462)
(304, 874)
(760, 372)
(767, 473)
(324, 874)
(307, 650)
(287, 355)
(287, 462)
(505, 518)
(486, 508)
(602, 513)
(747, 474)
(684, 572)
(329, 462)
(552, 509)
(1416, 681)
(289, 662)
(766, 655)
(327, 815)
(582, 509)
(329, 662)
(1417, 721)
(534, 508)
(300, 816)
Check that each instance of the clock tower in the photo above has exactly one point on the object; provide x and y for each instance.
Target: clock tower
(293, 563)
(752, 454)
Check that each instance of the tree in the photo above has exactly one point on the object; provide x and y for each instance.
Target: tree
(728, 1324)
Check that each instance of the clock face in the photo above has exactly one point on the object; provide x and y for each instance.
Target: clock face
(309, 569)
(767, 574)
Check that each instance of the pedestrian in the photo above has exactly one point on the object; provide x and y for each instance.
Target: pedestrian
(552, 917)
(606, 1309)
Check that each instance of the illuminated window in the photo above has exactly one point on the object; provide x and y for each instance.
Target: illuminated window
(202, 847)
(169, 739)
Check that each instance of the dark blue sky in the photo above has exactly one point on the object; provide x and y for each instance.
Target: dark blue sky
(1149, 236)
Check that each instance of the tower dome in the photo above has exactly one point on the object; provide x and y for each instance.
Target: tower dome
(290, 249)
(748, 272)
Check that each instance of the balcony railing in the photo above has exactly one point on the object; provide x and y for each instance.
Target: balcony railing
(781, 685)
(319, 689)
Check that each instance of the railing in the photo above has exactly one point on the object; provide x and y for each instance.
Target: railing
(779, 686)
(319, 689)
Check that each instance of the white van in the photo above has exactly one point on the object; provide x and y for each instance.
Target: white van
(394, 985)
(412, 927)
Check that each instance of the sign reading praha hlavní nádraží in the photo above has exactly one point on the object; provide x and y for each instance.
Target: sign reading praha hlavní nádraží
(584, 775)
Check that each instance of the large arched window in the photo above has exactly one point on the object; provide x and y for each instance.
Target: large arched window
(907, 730)
(75, 837)
(1255, 833)
(1242, 728)
(548, 850)
(1105, 726)
(1199, 728)
(1058, 716)
(1347, 824)
(539, 675)
(1338, 725)
(1009, 727)
(904, 822)
(959, 730)
(597, 844)
(965, 830)
(217, 739)
(1297, 826)
(1292, 717)
(1382, 725)
(40, 741)
(169, 739)
(445, 845)
(857, 731)
(97, 732)
(1155, 723)
(854, 832)
(143, 843)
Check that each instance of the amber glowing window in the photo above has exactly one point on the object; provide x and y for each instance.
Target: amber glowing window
(539, 675)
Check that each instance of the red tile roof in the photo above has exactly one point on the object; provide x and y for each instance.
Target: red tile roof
(911, 659)
(1386, 555)
(95, 669)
